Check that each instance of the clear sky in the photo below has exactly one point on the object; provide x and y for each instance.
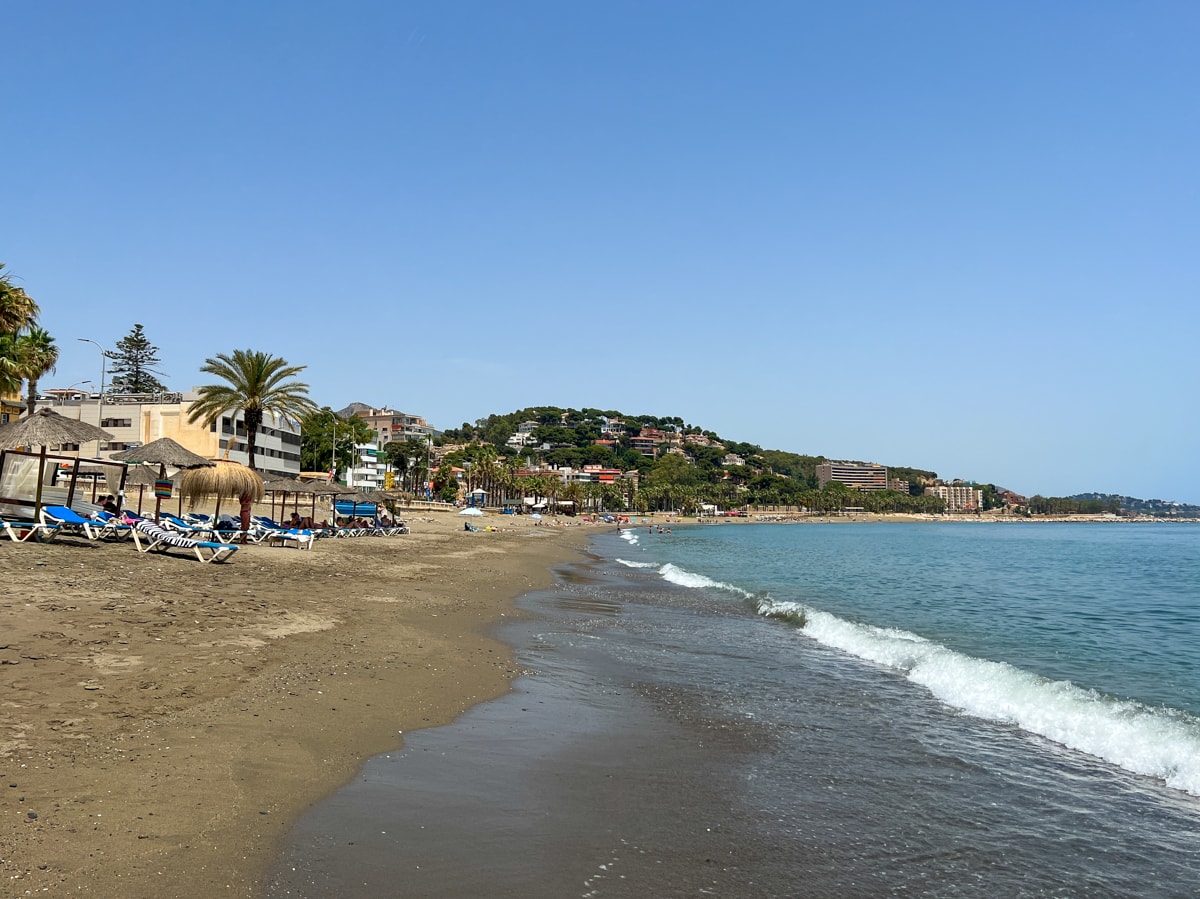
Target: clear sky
(956, 236)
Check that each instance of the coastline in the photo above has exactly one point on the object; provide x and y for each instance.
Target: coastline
(166, 722)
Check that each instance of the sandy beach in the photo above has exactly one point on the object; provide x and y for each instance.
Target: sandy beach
(165, 722)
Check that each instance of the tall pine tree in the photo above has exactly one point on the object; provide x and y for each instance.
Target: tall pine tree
(133, 364)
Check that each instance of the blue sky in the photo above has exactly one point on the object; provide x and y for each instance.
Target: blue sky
(954, 236)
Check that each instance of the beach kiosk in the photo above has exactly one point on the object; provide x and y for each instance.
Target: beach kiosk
(477, 497)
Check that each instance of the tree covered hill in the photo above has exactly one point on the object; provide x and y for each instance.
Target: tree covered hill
(689, 459)
(707, 471)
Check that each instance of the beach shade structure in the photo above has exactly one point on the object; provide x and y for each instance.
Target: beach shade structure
(379, 498)
(325, 489)
(352, 496)
(141, 477)
(472, 510)
(162, 452)
(285, 486)
(47, 428)
(305, 488)
(224, 478)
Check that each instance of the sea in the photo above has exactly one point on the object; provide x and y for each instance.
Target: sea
(852, 709)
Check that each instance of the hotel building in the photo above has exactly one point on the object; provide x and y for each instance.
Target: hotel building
(861, 477)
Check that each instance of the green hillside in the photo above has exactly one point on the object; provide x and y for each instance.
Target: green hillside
(681, 474)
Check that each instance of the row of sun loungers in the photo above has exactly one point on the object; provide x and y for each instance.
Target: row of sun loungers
(267, 530)
(209, 541)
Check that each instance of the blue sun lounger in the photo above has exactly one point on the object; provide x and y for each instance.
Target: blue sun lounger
(70, 522)
(25, 531)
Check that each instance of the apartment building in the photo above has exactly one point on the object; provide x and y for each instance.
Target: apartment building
(958, 497)
(524, 435)
(390, 425)
(369, 468)
(137, 418)
(858, 476)
(10, 407)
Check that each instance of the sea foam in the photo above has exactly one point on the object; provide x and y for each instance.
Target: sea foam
(1159, 742)
(684, 578)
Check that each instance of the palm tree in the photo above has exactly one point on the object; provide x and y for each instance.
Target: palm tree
(575, 493)
(256, 383)
(10, 367)
(17, 312)
(37, 354)
(17, 308)
(505, 482)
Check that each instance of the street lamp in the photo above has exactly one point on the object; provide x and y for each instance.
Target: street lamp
(333, 466)
(62, 394)
(100, 395)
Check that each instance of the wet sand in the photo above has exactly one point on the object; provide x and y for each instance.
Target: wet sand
(584, 780)
(166, 722)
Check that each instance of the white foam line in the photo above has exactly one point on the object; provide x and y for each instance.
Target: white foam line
(1163, 743)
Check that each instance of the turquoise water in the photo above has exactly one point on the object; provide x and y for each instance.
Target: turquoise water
(945, 710)
(1087, 634)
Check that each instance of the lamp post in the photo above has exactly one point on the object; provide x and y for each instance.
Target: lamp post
(100, 395)
(63, 393)
(333, 460)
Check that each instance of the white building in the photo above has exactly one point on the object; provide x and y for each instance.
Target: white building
(959, 498)
(370, 465)
(137, 418)
(524, 435)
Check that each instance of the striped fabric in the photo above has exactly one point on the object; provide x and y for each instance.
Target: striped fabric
(162, 535)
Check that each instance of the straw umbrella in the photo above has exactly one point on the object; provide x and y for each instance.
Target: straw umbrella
(277, 485)
(330, 490)
(285, 486)
(306, 489)
(224, 478)
(379, 498)
(47, 428)
(350, 494)
(164, 451)
(141, 477)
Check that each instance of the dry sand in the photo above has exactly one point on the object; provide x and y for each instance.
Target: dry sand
(163, 722)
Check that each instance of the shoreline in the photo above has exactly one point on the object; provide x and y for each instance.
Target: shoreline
(166, 723)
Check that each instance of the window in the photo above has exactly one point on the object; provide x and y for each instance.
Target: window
(116, 422)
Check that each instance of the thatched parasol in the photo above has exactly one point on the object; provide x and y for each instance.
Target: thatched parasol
(285, 486)
(323, 489)
(224, 478)
(47, 428)
(140, 476)
(350, 495)
(164, 451)
(379, 498)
